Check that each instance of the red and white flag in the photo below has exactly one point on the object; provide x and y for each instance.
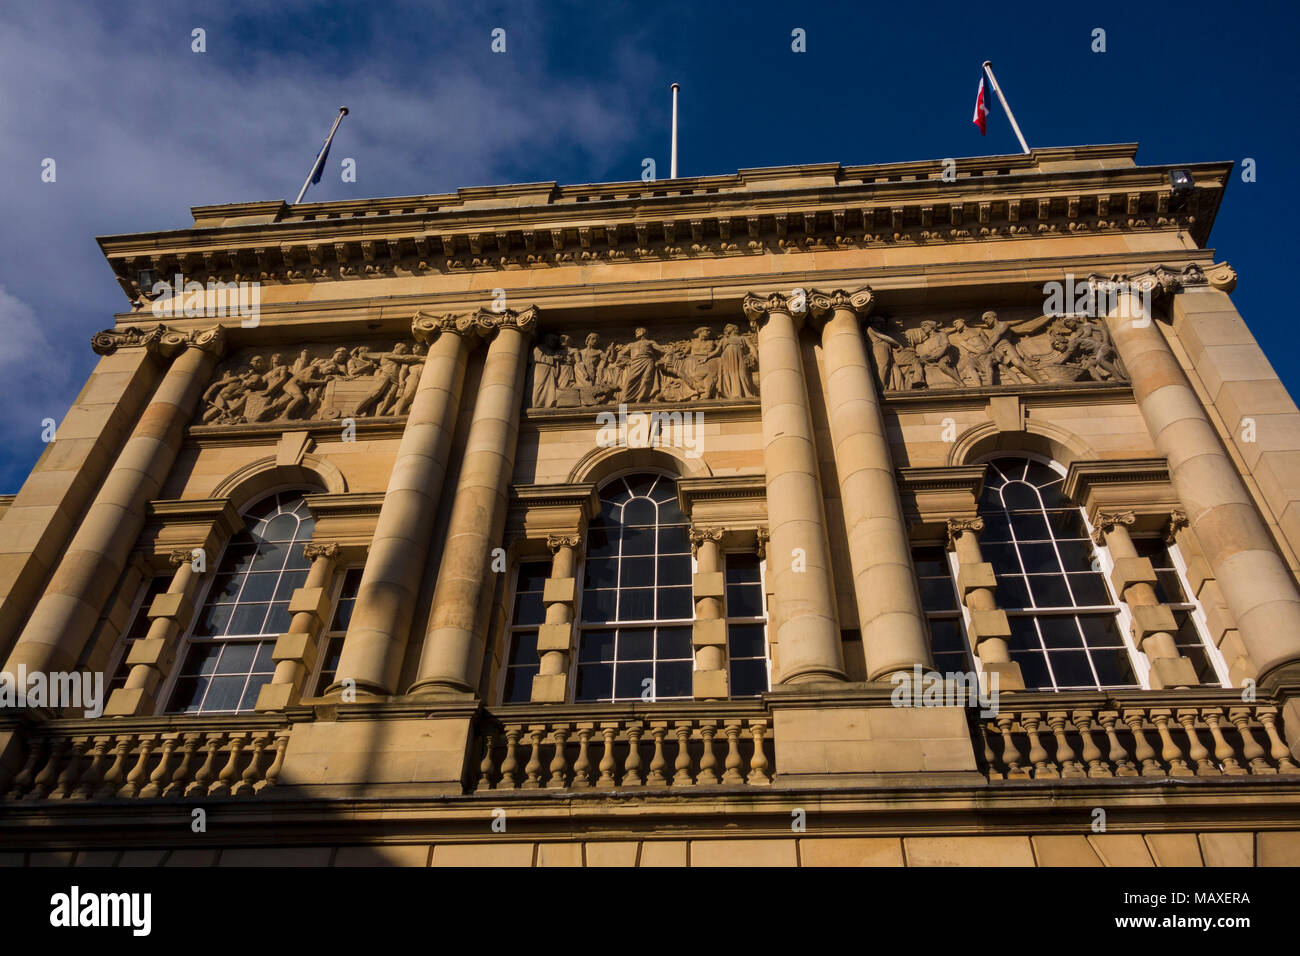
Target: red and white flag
(981, 116)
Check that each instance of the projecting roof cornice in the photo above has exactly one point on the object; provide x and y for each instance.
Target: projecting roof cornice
(1061, 192)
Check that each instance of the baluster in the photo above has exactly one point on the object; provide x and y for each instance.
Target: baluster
(607, 781)
(1010, 752)
(1064, 752)
(732, 774)
(1091, 752)
(46, 779)
(199, 785)
(1278, 749)
(176, 787)
(25, 776)
(90, 780)
(1250, 748)
(986, 731)
(113, 776)
(225, 781)
(139, 773)
(632, 766)
(253, 772)
(157, 779)
(1195, 749)
(559, 768)
(1223, 751)
(682, 765)
(510, 765)
(272, 775)
(1170, 752)
(758, 763)
(486, 766)
(1118, 754)
(1142, 751)
(66, 785)
(708, 775)
(1037, 752)
(533, 769)
(582, 766)
(656, 778)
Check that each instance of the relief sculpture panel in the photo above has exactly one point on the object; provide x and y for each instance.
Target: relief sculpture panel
(318, 384)
(636, 368)
(1047, 350)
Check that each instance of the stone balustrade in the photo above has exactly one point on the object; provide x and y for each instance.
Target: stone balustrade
(172, 759)
(659, 747)
(1203, 734)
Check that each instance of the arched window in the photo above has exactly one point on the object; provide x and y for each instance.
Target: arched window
(636, 604)
(228, 657)
(1064, 629)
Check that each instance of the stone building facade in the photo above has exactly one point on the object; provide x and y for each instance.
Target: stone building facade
(605, 524)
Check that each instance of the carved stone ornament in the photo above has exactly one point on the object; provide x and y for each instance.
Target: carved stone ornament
(959, 526)
(700, 535)
(330, 549)
(1107, 520)
(1048, 350)
(159, 338)
(1177, 521)
(764, 537)
(639, 369)
(557, 541)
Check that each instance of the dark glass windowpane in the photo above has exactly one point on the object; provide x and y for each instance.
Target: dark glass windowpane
(532, 576)
(596, 646)
(1039, 557)
(278, 620)
(224, 693)
(188, 694)
(636, 604)
(1071, 669)
(1060, 632)
(638, 541)
(634, 679)
(225, 588)
(1049, 590)
(519, 685)
(1114, 668)
(746, 640)
(270, 556)
(1018, 496)
(1024, 635)
(674, 569)
(1012, 592)
(945, 636)
(253, 688)
(1089, 590)
(742, 569)
(1169, 590)
(748, 678)
(1076, 555)
(1100, 630)
(1068, 524)
(641, 484)
(595, 682)
(1029, 526)
(601, 543)
(673, 679)
(523, 649)
(639, 511)
(637, 573)
(290, 581)
(996, 528)
(601, 573)
(676, 604)
(214, 620)
(674, 540)
(599, 606)
(937, 594)
(670, 512)
(675, 643)
(745, 600)
(263, 664)
(1033, 667)
(1002, 557)
(258, 587)
(297, 559)
(636, 644)
(237, 659)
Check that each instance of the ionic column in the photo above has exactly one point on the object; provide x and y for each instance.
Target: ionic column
(454, 642)
(555, 637)
(390, 583)
(1154, 626)
(65, 616)
(1252, 575)
(988, 627)
(894, 633)
(799, 553)
(709, 632)
(295, 650)
(151, 657)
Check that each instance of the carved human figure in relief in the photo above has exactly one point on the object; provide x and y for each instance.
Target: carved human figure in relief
(641, 375)
(546, 361)
(225, 398)
(736, 358)
(930, 345)
(387, 378)
(697, 365)
(883, 348)
(589, 363)
(411, 381)
(565, 374)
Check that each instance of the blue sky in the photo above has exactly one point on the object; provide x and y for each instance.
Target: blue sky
(142, 128)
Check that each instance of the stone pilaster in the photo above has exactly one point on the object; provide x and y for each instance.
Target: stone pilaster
(709, 632)
(65, 616)
(1134, 579)
(989, 629)
(454, 642)
(894, 633)
(798, 553)
(152, 657)
(296, 649)
(390, 583)
(556, 636)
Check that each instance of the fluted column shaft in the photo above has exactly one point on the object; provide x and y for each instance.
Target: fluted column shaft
(798, 553)
(390, 583)
(65, 616)
(894, 633)
(1252, 575)
(455, 640)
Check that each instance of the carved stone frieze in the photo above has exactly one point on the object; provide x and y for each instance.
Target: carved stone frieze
(965, 353)
(640, 369)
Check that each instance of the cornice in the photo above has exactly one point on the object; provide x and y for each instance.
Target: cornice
(792, 209)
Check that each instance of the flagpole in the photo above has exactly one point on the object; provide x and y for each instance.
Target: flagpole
(988, 68)
(672, 166)
(320, 157)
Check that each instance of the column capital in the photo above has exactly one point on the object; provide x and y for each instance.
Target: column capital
(758, 309)
(178, 556)
(1106, 522)
(324, 549)
(959, 526)
(134, 336)
(1177, 521)
(557, 541)
(700, 535)
(764, 535)
(1162, 280)
(488, 322)
(427, 328)
(824, 304)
